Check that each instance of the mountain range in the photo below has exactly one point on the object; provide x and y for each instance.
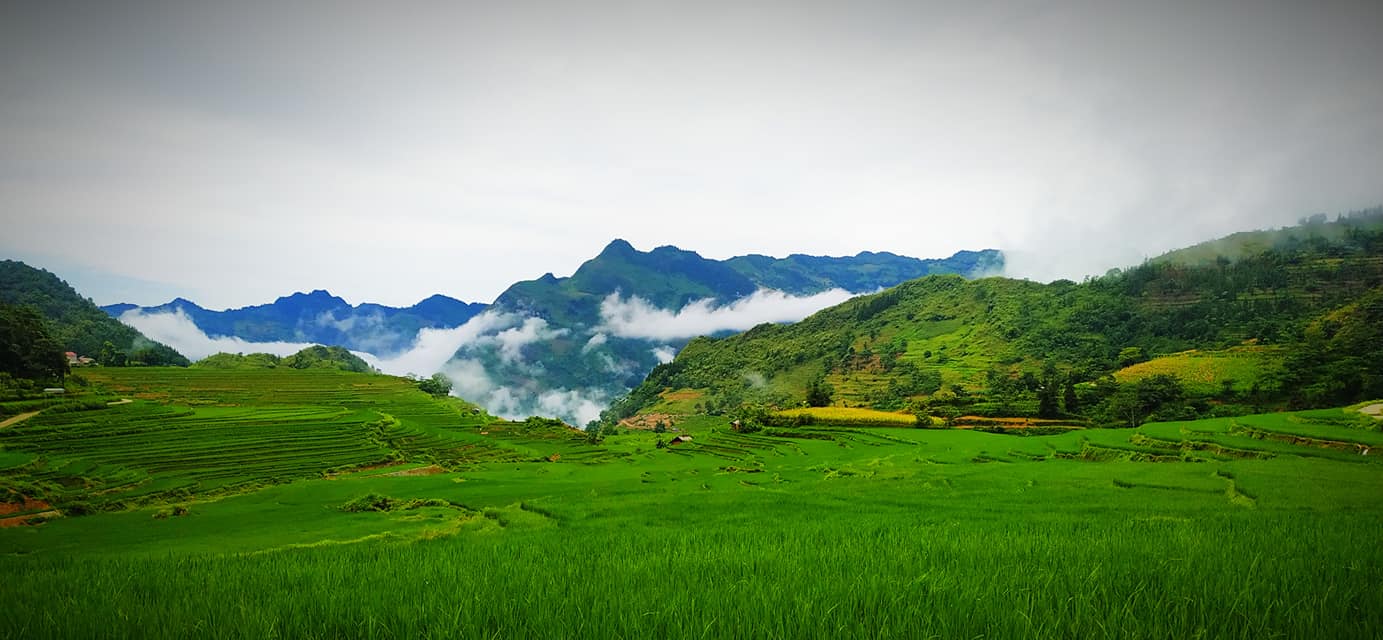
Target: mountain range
(322, 318)
(567, 346)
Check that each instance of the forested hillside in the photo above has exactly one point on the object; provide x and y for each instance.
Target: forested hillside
(77, 323)
(1302, 321)
(313, 357)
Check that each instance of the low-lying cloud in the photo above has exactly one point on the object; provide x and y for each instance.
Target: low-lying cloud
(637, 318)
(177, 330)
(488, 359)
(472, 382)
(512, 340)
(432, 351)
(664, 354)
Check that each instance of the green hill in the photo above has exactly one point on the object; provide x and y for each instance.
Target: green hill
(1003, 347)
(1315, 230)
(313, 357)
(76, 322)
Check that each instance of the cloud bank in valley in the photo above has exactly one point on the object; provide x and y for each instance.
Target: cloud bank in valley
(637, 318)
(432, 348)
(488, 360)
(177, 330)
(474, 383)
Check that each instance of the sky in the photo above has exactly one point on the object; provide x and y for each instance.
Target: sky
(234, 152)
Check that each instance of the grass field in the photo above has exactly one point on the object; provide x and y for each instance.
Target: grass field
(1256, 527)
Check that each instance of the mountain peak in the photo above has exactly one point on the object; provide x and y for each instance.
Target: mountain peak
(320, 296)
(618, 247)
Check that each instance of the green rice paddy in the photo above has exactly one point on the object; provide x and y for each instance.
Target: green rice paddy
(216, 510)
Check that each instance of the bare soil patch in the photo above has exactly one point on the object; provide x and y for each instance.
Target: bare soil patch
(1375, 410)
(29, 519)
(18, 419)
(25, 512)
(24, 506)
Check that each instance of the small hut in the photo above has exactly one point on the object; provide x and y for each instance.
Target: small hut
(679, 440)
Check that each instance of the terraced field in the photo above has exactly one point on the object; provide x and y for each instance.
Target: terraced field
(255, 504)
(1207, 372)
(192, 433)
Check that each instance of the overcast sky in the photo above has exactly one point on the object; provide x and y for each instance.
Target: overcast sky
(232, 152)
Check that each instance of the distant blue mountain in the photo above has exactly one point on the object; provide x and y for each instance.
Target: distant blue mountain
(322, 318)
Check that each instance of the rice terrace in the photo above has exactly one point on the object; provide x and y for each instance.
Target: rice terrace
(300, 518)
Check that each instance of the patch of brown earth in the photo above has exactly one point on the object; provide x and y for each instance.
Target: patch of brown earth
(29, 519)
(1375, 410)
(24, 506)
(18, 419)
(28, 512)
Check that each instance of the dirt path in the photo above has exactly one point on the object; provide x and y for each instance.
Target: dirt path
(37, 518)
(1375, 410)
(116, 403)
(18, 419)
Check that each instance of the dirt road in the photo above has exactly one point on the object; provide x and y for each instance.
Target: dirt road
(18, 419)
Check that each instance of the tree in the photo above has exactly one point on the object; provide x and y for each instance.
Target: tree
(1130, 356)
(27, 350)
(437, 385)
(111, 356)
(1072, 404)
(1131, 404)
(819, 392)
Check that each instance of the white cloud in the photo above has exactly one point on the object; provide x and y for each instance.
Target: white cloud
(637, 318)
(595, 341)
(177, 330)
(512, 341)
(665, 354)
(473, 383)
(434, 347)
(584, 406)
(344, 325)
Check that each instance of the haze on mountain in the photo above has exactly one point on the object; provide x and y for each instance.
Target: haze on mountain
(229, 153)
